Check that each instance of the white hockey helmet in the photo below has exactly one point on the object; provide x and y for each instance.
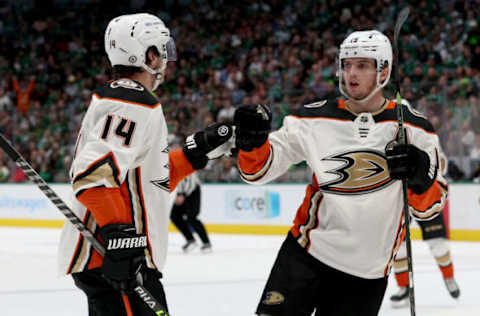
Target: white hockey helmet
(366, 44)
(128, 37)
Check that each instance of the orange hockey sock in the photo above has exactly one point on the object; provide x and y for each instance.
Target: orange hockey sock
(402, 278)
(447, 271)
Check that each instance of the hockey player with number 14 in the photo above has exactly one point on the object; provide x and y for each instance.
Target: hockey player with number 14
(338, 254)
(123, 173)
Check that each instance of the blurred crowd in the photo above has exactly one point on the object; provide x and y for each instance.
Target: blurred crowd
(280, 52)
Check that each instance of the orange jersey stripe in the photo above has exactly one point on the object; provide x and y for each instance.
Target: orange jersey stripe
(107, 205)
(422, 202)
(391, 105)
(363, 188)
(399, 236)
(303, 215)
(253, 161)
(307, 217)
(96, 259)
(180, 168)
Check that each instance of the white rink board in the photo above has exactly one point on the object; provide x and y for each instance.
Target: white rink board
(230, 203)
(249, 204)
(465, 206)
(26, 201)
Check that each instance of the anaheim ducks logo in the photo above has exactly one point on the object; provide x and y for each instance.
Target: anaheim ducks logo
(362, 171)
(273, 298)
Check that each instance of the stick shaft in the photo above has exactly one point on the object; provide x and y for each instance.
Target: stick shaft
(33, 176)
(402, 17)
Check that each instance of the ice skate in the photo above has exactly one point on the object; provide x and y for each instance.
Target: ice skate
(400, 299)
(206, 248)
(452, 287)
(189, 246)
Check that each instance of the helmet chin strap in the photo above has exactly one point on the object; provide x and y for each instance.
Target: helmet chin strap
(158, 73)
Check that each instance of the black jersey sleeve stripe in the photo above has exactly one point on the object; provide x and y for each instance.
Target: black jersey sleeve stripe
(141, 200)
(76, 254)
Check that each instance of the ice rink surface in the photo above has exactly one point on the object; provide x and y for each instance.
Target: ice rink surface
(228, 281)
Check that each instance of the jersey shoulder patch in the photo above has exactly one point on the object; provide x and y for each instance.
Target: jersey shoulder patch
(410, 116)
(315, 104)
(414, 111)
(129, 91)
(416, 118)
(322, 109)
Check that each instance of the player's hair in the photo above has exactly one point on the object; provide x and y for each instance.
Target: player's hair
(122, 71)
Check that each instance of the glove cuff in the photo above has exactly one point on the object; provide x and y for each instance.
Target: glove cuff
(199, 145)
(197, 158)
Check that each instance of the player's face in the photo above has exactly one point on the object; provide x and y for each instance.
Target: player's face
(360, 76)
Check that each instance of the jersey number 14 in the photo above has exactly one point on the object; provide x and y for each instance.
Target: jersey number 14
(125, 129)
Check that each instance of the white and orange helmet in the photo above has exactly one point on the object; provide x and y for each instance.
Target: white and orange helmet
(366, 44)
(128, 37)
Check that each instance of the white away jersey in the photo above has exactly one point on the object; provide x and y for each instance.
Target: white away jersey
(122, 144)
(351, 217)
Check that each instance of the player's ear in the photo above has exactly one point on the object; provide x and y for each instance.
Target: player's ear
(384, 73)
(153, 56)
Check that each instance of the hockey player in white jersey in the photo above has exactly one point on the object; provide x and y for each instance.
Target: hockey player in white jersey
(123, 173)
(340, 249)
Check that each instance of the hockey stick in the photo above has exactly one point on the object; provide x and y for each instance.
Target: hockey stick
(141, 291)
(402, 17)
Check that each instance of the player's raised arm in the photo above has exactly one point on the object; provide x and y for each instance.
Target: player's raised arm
(199, 148)
(264, 156)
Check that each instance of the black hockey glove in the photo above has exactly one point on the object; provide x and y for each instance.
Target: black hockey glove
(124, 255)
(199, 145)
(252, 125)
(405, 161)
